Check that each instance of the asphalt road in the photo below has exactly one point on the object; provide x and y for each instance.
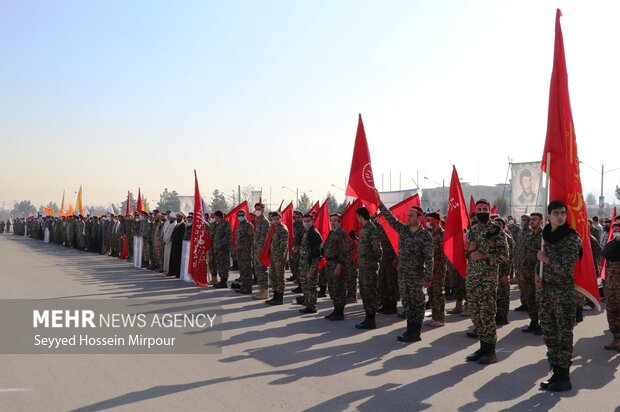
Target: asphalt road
(274, 359)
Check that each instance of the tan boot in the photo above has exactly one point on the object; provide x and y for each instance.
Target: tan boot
(458, 309)
(262, 294)
(614, 344)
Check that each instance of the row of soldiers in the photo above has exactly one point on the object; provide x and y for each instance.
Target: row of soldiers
(385, 277)
(5, 226)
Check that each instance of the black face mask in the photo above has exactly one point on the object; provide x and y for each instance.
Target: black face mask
(482, 217)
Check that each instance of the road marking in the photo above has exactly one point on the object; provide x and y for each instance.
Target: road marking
(10, 390)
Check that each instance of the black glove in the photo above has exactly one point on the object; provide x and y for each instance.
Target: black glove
(352, 235)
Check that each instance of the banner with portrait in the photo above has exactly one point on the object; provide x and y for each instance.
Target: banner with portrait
(527, 189)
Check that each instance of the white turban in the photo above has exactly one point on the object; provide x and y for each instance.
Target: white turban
(173, 215)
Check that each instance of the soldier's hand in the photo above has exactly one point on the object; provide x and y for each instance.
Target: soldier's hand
(505, 280)
(537, 281)
(427, 285)
(338, 269)
(542, 256)
(278, 265)
(472, 246)
(475, 255)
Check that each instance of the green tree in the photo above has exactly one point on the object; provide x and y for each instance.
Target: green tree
(21, 209)
(342, 205)
(617, 192)
(168, 200)
(218, 202)
(304, 203)
(502, 206)
(590, 199)
(332, 203)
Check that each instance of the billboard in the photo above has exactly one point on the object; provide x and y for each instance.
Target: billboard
(527, 188)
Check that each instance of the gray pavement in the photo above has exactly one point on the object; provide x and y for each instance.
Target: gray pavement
(275, 359)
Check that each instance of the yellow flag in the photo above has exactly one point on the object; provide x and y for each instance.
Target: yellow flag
(78, 202)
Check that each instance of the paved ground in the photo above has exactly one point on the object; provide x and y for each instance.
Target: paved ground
(275, 359)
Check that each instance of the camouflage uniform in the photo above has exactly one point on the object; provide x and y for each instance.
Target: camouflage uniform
(435, 292)
(482, 278)
(145, 231)
(415, 265)
(309, 256)
(279, 253)
(503, 281)
(369, 255)
(158, 245)
(557, 297)
(519, 257)
(244, 237)
(612, 286)
(298, 232)
(260, 235)
(458, 282)
(211, 253)
(530, 246)
(221, 249)
(337, 250)
(388, 275)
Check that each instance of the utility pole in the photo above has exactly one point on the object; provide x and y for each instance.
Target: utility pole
(239, 193)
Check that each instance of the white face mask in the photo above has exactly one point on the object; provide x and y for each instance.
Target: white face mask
(211, 220)
(429, 225)
(511, 222)
(258, 213)
(616, 235)
(307, 225)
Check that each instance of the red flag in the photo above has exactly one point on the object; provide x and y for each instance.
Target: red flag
(321, 223)
(125, 249)
(565, 180)
(609, 236)
(287, 219)
(200, 241)
(128, 206)
(494, 210)
(265, 254)
(140, 206)
(472, 203)
(314, 208)
(399, 211)
(349, 217)
(361, 180)
(456, 224)
(231, 217)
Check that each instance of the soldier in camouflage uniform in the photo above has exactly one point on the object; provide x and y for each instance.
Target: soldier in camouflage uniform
(415, 267)
(518, 259)
(503, 281)
(530, 241)
(158, 242)
(298, 232)
(435, 291)
(211, 225)
(388, 274)
(309, 256)
(556, 295)
(487, 248)
(611, 253)
(244, 238)
(369, 255)
(222, 238)
(145, 232)
(279, 255)
(260, 235)
(337, 250)
(458, 288)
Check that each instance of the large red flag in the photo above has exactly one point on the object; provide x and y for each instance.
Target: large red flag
(456, 224)
(287, 219)
(200, 241)
(265, 254)
(349, 217)
(494, 210)
(609, 236)
(399, 210)
(314, 208)
(361, 180)
(472, 204)
(321, 222)
(563, 170)
(231, 217)
(128, 206)
(139, 206)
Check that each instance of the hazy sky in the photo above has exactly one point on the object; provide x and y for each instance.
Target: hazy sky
(115, 95)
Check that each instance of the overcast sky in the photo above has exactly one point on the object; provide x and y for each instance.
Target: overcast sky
(116, 95)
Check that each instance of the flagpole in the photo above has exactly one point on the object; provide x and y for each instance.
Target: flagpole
(545, 213)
